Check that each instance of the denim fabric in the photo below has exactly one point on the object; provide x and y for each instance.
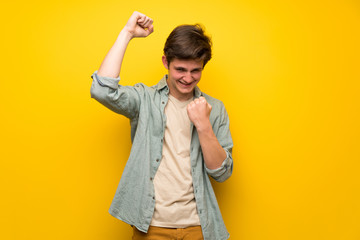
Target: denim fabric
(134, 199)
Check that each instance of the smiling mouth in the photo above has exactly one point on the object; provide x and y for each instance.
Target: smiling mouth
(185, 83)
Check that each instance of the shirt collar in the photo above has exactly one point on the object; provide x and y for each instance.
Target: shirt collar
(162, 84)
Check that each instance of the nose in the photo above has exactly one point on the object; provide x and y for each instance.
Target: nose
(187, 77)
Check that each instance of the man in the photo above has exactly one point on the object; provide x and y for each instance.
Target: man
(179, 134)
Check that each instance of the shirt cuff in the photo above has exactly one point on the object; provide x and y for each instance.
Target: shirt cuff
(218, 172)
(106, 81)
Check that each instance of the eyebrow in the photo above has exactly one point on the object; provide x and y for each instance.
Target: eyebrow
(182, 68)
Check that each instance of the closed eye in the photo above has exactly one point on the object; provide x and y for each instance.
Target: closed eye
(180, 69)
(196, 70)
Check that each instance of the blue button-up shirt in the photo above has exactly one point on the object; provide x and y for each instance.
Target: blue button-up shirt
(134, 200)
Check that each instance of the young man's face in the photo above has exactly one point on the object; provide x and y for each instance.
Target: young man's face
(184, 75)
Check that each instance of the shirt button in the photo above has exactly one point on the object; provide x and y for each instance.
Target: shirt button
(157, 160)
(163, 102)
(154, 198)
(151, 179)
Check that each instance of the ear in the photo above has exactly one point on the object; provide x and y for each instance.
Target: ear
(165, 62)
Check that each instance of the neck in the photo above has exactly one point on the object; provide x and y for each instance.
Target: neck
(182, 98)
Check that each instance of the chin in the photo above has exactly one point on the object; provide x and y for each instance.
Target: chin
(187, 91)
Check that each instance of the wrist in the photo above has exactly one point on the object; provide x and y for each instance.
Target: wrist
(203, 127)
(125, 34)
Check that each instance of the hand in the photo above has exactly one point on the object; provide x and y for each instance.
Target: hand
(139, 25)
(199, 113)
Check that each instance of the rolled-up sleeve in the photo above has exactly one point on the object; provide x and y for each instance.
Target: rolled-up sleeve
(222, 133)
(224, 171)
(124, 100)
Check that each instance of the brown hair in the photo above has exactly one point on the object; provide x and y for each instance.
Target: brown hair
(188, 42)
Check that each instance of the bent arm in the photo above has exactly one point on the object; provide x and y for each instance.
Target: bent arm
(217, 158)
(213, 152)
(216, 147)
(222, 133)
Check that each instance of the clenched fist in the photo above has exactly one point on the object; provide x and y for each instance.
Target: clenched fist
(139, 25)
(199, 113)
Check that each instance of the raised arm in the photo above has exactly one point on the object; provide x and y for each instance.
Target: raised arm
(105, 86)
(138, 25)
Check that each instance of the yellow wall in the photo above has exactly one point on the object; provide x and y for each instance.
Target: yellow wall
(287, 71)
